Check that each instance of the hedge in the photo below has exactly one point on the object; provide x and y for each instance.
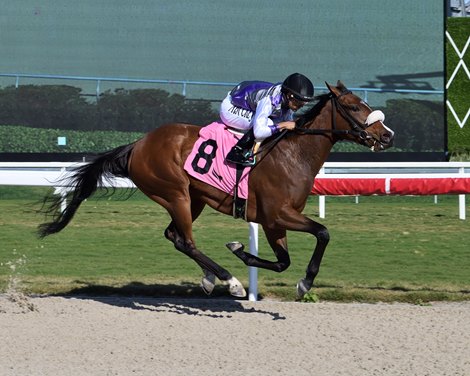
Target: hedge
(64, 107)
(415, 122)
(20, 139)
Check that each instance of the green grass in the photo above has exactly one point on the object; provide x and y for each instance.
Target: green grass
(382, 249)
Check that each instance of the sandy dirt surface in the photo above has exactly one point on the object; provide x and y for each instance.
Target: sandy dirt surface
(144, 336)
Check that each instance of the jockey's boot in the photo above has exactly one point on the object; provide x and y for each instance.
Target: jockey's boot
(242, 153)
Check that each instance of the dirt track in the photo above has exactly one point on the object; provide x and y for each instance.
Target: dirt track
(141, 336)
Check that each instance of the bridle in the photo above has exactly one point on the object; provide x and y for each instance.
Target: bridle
(358, 129)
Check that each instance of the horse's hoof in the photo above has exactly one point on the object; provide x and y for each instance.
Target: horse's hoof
(235, 246)
(302, 288)
(236, 288)
(208, 282)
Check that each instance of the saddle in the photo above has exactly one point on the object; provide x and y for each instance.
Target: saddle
(206, 162)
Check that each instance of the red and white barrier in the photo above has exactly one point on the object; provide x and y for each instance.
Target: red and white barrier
(444, 178)
(418, 186)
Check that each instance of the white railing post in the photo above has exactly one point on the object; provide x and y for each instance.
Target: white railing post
(462, 199)
(252, 271)
(462, 206)
(321, 199)
(321, 206)
(62, 191)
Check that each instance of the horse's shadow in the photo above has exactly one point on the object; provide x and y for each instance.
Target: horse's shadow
(184, 299)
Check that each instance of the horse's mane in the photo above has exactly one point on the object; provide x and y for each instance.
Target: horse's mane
(312, 113)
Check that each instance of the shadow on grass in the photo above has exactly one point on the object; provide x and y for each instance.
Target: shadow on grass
(186, 298)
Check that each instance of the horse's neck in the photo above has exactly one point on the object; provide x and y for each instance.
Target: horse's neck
(315, 149)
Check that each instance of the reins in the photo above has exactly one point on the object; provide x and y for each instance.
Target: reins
(271, 143)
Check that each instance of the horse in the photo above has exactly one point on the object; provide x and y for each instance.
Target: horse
(155, 162)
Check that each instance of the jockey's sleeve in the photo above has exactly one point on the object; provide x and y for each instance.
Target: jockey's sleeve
(263, 126)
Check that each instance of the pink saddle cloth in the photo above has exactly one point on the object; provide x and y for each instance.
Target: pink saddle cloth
(207, 160)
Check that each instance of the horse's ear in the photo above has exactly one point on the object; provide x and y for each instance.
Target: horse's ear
(340, 85)
(334, 90)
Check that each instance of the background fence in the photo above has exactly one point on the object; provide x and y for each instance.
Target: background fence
(20, 78)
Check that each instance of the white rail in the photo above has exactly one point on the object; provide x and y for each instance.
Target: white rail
(51, 173)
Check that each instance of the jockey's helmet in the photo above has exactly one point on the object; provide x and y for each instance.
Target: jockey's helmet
(299, 86)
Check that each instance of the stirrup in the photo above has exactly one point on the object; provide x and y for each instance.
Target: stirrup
(240, 157)
(241, 160)
(250, 160)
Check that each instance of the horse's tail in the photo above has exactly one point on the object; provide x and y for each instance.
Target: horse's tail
(81, 184)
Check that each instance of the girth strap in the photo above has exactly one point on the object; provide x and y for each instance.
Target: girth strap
(239, 204)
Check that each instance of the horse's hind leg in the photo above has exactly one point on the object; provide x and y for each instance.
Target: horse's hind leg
(209, 267)
(208, 279)
(180, 233)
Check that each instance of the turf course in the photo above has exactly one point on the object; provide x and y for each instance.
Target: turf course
(381, 249)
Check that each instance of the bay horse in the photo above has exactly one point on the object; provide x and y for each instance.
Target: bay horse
(275, 200)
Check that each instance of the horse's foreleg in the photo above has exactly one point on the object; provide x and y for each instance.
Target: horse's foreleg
(294, 221)
(323, 237)
(278, 242)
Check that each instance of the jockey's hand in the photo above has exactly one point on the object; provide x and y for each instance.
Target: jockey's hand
(289, 125)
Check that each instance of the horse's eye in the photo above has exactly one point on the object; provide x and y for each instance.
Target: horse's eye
(355, 107)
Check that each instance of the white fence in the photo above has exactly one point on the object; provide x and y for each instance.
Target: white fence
(50, 173)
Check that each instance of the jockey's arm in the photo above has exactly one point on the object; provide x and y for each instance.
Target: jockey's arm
(289, 125)
(263, 126)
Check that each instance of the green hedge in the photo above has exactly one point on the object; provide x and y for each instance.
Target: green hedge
(64, 107)
(58, 111)
(19, 139)
(415, 121)
(459, 91)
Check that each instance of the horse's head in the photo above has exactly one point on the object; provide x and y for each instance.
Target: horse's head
(358, 121)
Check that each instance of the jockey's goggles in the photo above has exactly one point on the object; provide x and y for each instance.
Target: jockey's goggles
(296, 100)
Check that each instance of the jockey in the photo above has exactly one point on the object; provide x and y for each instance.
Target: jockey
(261, 109)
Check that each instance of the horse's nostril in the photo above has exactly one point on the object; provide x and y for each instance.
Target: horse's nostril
(386, 137)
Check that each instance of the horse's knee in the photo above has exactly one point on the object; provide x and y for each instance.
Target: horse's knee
(283, 265)
(323, 235)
